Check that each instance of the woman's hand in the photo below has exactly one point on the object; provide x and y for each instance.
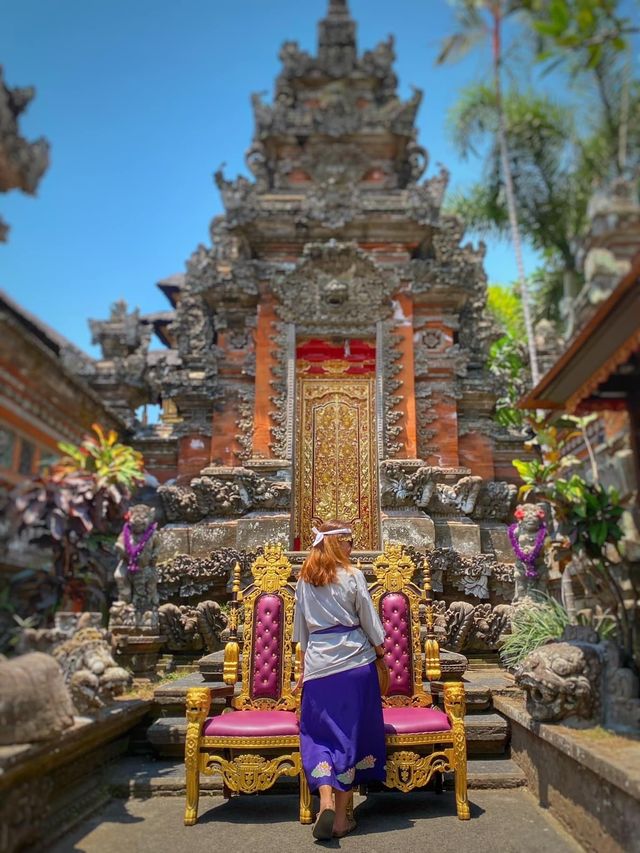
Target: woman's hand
(298, 685)
(379, 651)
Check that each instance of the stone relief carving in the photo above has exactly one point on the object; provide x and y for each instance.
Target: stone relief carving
(405, 484)
(471, 575)
(236, 493)
(190, 629)
(186, 577)
(463, 626)
(332, 284)
(391, 355)
(279, 411)
(90, 672)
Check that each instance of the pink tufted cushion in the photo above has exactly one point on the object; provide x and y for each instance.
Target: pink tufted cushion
(266, 658)
(406, 721)
(252, 724)
(395, 615)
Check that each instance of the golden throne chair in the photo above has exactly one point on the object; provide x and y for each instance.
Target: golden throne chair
(422, 740)
(256, 741)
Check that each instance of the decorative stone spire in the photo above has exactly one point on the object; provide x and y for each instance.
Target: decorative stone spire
(337, 50)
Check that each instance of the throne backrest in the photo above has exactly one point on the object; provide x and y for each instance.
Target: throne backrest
(399, 600)
(268, 605)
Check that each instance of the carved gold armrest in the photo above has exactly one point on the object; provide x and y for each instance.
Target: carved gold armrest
(454, 702)
(231, 662)
(198, 703)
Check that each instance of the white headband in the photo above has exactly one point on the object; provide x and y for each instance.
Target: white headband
(320, 534)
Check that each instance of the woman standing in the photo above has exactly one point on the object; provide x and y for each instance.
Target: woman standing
(341, 728)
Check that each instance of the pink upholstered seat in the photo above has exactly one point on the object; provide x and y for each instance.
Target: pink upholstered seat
(252, 724)
(407, 721)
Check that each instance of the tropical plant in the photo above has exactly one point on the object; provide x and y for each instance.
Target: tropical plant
(588, 521)
(544, 620)
(484, 20)
(533, 625)
(73, 511)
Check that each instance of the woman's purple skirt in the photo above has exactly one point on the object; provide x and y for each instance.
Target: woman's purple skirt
(341, 729)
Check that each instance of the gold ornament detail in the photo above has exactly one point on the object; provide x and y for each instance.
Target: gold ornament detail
(271, 570)
(251, 773)
(409, 770)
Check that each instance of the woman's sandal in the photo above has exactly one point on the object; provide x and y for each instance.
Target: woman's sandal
(323, 827)
(350, 828)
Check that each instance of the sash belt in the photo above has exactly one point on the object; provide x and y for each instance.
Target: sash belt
(336, 629)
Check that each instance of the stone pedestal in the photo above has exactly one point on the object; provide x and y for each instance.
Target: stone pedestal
(139, 654)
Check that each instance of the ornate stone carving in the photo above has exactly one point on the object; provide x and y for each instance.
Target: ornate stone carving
(581, 680)
(280, 411)
(236, 493)
(90, 672)
(496, 500)
(23, 163)
(34, 702)
(470, 575)
(391, 354)
(332, 285)
(462, 626)
(192, 628)
(191, 577)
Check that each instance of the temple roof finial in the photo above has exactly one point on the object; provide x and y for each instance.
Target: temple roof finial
(338, 8)
(337, 39)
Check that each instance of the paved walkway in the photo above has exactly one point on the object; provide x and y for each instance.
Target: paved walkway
(507, 821)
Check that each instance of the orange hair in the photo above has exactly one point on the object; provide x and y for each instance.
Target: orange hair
(321, 566)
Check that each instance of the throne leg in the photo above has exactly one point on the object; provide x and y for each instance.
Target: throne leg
(192, 780)
(306, 811)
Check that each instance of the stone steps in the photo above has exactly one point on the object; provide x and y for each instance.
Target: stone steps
(487, 734)
(136, 779)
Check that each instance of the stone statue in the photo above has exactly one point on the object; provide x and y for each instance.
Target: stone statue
(527, 536)
(561, 681)
(34, 702)
(136, 574)
(580, 679)
(90, 672)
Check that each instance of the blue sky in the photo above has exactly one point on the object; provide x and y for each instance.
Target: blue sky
(141, 102)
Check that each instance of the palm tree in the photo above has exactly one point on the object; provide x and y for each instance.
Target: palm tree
(482, 19)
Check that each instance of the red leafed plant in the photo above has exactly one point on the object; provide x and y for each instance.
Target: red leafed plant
(74, 510)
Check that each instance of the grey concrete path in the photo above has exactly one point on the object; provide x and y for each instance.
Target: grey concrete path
(501, 821)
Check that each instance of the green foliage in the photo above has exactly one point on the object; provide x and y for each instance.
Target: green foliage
(531, 627)
(73, 513)
(588, 27)
(587, 516)
(102, 456)
(551, 194)
(505, 305)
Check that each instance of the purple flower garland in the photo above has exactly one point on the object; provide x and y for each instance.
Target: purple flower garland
(135, 549)
(529, 559)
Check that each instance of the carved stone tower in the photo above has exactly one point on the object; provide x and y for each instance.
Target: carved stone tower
(326, 355)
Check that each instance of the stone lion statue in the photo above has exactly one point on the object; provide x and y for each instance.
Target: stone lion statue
(90, 672)
(562, 680)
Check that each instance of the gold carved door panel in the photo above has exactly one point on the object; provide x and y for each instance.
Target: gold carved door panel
(336, 459)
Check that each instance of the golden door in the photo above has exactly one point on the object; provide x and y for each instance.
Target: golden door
(336, 461)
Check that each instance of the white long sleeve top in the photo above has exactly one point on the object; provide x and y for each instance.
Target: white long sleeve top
(344, 602)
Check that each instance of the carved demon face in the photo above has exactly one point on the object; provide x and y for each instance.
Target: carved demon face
(561, 680)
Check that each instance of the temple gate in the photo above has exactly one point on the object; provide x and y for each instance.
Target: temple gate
(325, 356)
